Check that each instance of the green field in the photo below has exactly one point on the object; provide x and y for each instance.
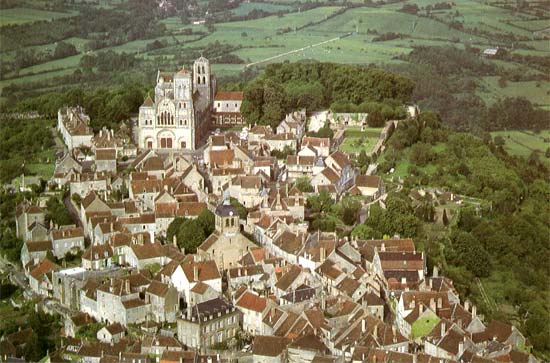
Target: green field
(533, 25)
(523, 143)
(316, 34)
(26, 15)
(245, 8)
(356, 140)
(538, 92)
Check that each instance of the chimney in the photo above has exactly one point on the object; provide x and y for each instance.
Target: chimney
(322, 254)
(443, 328)
(363, 326)
(420, 309)
(183, 250)
(175, 240)
(127, 282)
(375, 332)
(435, 272)
(383, 247)
(474, 311)
(189, 310)
(460, 349)
(195, 273)
(467, 305)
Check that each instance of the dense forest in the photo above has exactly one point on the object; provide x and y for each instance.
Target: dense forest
(316, 86)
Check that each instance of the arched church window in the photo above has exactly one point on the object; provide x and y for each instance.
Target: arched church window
(203, 71)
(172, 119)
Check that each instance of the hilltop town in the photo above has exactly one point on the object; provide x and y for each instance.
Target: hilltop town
(191, 241)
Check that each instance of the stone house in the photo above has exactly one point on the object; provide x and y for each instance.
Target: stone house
(253, 307)
(40, 277)
(269, 349)
(112, 333)
(67, 239)
(73, 125)
(35, 251)
(340, 163)
(320, 144)
(105, 160)
(90, 204)
(279, 142)
(208, 323)
(73, 323)
(25, 216)
(227, 109)
(188, 273)
(246, 189)
(97, 257)
(84, 183)
(202, 292)
(117, 302)
(164, 300)
(370, 186)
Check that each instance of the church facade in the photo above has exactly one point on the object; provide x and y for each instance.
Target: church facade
(178, 117)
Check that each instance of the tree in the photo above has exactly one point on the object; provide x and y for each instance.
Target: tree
(190, 235)
(362, 231)
(421, 153)
(64, 50)
(499, 140)
(363, 160)
(375, 119)
(243, 213)
(444, 218)
(207, 219)
(304, 184)
(321, 202)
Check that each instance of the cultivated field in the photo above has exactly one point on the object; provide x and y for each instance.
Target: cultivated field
(22, 15)
(326, 33)
(523, 143)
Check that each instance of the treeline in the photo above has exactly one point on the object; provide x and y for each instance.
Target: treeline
(284, 87)
(106, 107)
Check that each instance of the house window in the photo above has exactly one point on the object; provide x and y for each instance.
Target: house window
(183, 145)
(218, 105)
(227, 222)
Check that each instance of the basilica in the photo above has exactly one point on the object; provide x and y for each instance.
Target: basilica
(178, 118)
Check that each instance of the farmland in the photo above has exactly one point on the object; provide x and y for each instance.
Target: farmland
(21, 15)
(524, 143)
(343, 32)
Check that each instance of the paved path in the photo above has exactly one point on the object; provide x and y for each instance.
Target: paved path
(58, 142)
(293, 51)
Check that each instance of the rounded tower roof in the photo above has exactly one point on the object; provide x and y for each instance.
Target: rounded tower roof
(226, 210)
